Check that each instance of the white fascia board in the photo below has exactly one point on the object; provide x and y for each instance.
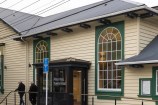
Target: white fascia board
(136, 62)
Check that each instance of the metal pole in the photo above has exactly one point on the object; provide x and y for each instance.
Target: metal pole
(14, 98)
(25, 98)
(47, 88)
(92, 100)
(6, 101)
(142, 102)
(115, 101)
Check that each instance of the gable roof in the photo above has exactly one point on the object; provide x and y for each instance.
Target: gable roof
(32, 24)
(81, 14)
(148, 55)
(19, 21)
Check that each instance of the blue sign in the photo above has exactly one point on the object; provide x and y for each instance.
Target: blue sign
(45, 65)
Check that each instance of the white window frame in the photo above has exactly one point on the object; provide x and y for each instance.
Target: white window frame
(116, 60)
(42, 50)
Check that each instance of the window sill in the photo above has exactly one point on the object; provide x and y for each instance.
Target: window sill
(108, 95)
(145, 96)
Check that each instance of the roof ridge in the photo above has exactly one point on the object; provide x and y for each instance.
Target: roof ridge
(133, 2)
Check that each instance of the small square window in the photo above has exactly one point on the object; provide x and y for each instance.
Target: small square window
(145, 87)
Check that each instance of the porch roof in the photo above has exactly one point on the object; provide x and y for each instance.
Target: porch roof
(66, 62)
(149, 55)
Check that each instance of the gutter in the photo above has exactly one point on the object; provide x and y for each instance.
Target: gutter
(137, 62)
(96, 18)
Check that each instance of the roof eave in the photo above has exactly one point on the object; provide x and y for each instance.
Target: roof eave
(136, 62)
(99, 17)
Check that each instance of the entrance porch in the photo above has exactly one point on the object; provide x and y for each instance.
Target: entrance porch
(67, 80)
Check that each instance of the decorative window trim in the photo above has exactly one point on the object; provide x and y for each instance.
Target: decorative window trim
(141, 80)
(99, 29)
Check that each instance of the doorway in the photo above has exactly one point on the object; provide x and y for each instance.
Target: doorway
(77, 87)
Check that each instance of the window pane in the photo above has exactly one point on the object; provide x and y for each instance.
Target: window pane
(109, 30)
(101, 74)
(118, 83)
(119, 45)
(113, 55)
(114, 84)
(118, 74)
(109, 66)
(101, 66)
(118, 55)
(110, 74)
(100, 47)
(101, 83)
(109, 46)
(113, 46)
(105, 47)
(114, 74)
(109, 55)
(109, 84)
(118, 36)
(105, 65)
(102, 56)
(115, 31)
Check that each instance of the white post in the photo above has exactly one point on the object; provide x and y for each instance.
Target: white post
(47, 88)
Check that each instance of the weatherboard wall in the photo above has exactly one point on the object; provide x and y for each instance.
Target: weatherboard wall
(81, 44)
(14, 60)
(148, 31)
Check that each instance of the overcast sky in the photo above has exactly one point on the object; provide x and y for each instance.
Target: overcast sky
(49, 7)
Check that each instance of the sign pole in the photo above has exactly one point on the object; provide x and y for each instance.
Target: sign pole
(45, 70)
(47, 88)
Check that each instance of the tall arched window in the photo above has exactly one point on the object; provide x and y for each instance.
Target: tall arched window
(41, 51)
(109, 52)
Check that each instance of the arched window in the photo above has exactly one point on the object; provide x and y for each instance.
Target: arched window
(109, 52)
(41, 51)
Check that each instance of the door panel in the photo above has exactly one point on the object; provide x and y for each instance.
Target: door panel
(77, 87)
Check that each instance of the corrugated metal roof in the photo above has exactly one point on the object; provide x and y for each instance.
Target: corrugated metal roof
(148, 55)
(79, 14)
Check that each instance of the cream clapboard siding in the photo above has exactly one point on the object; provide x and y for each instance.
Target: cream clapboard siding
(81, 45)
(133, 45)
(148, 30)
(14, 60)
(30, 55)
(143, 33)
(131, 37)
